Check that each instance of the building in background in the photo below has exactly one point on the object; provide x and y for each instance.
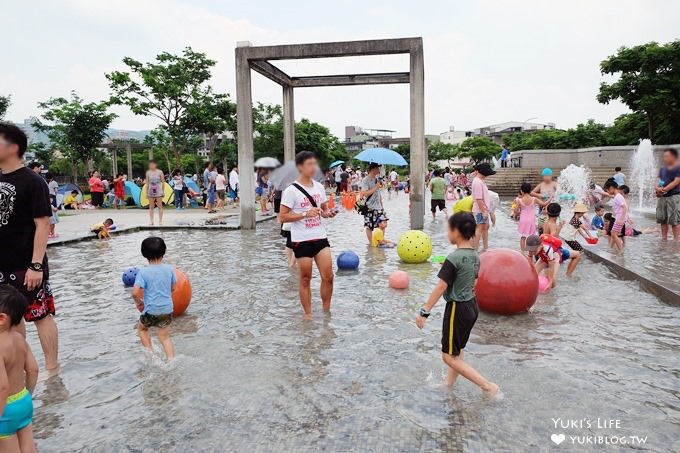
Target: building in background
(454, 137)
(358, 139)
(496, 131)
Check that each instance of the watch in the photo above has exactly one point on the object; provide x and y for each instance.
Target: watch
(422, 312)
(38, 267)
(304, 214)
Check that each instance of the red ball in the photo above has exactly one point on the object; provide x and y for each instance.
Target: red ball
(507, 282)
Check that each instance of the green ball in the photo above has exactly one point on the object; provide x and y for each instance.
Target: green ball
(414, 247)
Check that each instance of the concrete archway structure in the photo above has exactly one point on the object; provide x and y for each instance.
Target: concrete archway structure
(259, 59)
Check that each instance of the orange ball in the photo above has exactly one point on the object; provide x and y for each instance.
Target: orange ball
(181, 296)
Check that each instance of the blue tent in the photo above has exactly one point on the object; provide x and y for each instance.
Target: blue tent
(70, 187)
(133, 191)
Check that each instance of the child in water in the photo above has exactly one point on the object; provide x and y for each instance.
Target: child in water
(102, 229)
(550, 256)
(598, 219)
(378, 238)
(575, 227)
(18, 376)
(617, 228)
(456, 284)
(553, 226)
(526, 212)
(152, 294)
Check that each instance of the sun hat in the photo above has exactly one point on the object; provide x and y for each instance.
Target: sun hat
(580, 208)
(382, 218)
(547, 172)
(531, 243)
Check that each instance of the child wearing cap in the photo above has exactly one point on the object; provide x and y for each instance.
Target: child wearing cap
(544, 193)
(574, 227)
(378, 237)
(550, 253)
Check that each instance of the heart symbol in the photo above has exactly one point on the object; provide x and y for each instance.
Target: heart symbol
(558, 438)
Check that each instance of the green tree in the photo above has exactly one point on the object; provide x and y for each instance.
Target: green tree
(648, 83)
(404, 149)
(311, 136)
(268, 130)
(75, 127)
(211, 115)
(627, 129)
(479, 149)
(5, 102)
(169, 89)
(442, 151)
(43, 153)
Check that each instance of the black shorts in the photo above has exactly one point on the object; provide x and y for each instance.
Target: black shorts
(434, 204)
(309, 249)
(459, 318)
(160, 321)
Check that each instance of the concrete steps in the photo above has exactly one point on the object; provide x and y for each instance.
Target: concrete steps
(507, 181)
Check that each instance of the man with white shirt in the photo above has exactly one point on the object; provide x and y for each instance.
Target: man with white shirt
(303, 204)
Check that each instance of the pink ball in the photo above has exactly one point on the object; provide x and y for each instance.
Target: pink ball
(543, 284)
(399, 280)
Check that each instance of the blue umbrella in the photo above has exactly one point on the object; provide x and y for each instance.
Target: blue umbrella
(336, 163)
(382, 156)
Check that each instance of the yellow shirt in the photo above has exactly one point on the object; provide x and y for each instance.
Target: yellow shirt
(377, 238)
(464, 205)
(70, 198)
(97, 227)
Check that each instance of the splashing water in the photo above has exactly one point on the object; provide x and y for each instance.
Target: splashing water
(573, 184)
(643, 173)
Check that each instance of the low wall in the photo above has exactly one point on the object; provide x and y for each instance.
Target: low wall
(604, 156)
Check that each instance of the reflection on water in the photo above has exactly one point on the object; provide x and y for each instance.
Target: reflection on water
(251, 375)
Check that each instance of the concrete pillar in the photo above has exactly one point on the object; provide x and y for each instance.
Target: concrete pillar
(150, 153)
(244, 116)
(128, 152)
(418, 164)
(114, 162)
(288, 124)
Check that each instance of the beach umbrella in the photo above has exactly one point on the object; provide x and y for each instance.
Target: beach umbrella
(382, 156)
(267, 162)
(285, 175)
(336, 163)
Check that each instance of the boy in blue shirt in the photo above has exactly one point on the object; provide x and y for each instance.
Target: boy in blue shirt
(152, 294)
(457, 285)
(597, 223)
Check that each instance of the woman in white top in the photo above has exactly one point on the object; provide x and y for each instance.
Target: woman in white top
(303, 204)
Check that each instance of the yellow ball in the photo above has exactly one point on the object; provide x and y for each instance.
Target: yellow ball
(414, 247)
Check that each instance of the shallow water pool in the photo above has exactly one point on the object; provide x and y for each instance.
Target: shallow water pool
(251, 375)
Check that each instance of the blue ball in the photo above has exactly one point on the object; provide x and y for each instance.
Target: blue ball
(129, 276)
(348, 260)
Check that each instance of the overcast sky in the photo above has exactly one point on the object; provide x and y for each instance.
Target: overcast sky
(486, 61)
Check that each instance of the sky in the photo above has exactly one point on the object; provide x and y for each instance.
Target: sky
(486, 61)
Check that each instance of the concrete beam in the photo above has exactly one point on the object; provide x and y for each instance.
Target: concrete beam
(418, 164)
(333, 49)
(271, 72)
(114, 162)
(244, 117)
(288, 124)
(128, 155)
(351, 79)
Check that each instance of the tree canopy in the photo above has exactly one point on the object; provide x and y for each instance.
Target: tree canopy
(5, 102)
(75, 127)
(479, 149)
(173, 89)
(649, 84)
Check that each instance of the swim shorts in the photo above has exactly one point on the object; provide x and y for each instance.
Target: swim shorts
(160, 321)
(40, 300)
(309, 249)
(18, 413)
(480, 219)
(459, 318)
(434, 204)
(371, 218)
(565, 254)
(668, 210)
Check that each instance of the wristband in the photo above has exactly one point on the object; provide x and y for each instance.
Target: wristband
(422, 312)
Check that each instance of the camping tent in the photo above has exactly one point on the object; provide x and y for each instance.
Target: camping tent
(70, 187)
(168, 195)
(133, 191)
